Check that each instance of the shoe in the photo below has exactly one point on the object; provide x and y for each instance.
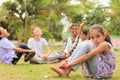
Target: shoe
(29, 56)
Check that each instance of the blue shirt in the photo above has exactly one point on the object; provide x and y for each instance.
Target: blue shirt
(6, 51)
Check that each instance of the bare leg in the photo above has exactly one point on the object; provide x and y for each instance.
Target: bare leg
(59, 71)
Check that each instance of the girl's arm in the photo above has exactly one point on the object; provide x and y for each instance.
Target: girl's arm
(102, 47)
(23, 50)
(48, 49)
(81, 26)
(48, 52)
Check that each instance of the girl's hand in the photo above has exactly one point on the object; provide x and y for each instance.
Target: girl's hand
(31, 50)
(18, 49)
(63, 55)
(83, 23)
(63, 63)
(67, 55)
(66, 66)
(45, 57)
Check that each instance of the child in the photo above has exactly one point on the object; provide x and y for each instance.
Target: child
(73, 41)
(37, 43)
(7, 49)
(99, 62)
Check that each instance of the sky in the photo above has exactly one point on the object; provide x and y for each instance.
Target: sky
(1, 1)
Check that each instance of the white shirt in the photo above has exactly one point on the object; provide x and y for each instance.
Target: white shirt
(37, 45)
(69, 44)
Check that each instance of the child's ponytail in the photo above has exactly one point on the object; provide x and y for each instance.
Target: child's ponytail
(108, 39)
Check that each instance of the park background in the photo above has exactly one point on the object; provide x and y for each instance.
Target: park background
(55, 18)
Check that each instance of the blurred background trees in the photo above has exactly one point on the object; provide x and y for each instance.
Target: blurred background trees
(19, 15)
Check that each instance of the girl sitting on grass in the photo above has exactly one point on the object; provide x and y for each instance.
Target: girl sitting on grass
(73, 41)
(99, 62)
(37, 43)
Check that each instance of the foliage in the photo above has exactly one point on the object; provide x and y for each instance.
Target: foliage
(21, 37)
(114, 17)
(46, 34)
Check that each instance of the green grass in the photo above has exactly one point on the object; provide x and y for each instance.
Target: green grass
(26, 71)
(115, 36)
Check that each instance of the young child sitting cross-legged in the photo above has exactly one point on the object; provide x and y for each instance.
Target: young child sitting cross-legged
(9, 54)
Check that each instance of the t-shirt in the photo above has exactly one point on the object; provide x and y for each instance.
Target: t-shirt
(6, 51)
(37, 45)
(70, 45)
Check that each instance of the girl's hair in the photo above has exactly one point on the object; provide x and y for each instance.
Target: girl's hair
(74, 24)
(86, 32)
(102, 31)
(33, 27)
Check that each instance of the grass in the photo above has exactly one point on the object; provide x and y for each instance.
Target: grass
(26, 71)
(115, 36)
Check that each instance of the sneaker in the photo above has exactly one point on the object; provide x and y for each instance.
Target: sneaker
(29, 56)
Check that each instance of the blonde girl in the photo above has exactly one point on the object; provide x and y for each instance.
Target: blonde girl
(37, 43)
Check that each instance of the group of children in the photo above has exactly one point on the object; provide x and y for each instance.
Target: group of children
(95, 55)
(90, 48)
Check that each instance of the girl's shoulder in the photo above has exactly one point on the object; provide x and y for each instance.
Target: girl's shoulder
(106, 44)
(43, 39)
(4, 40)
(31, 39)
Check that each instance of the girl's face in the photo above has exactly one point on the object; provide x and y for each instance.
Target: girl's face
(36, 31)
(74, 30)
(96, 36)
(83, 36)
(4, 32)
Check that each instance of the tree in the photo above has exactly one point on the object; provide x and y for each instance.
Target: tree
(25, 13)
(114, 14)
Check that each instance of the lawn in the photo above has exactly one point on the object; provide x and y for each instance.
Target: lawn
(26, 71)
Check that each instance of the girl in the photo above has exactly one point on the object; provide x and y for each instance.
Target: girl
(37, 43)
(7, 50)
(73, 41)
(99, 62)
